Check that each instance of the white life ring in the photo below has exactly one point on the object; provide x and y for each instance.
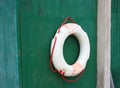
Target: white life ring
(58, 58)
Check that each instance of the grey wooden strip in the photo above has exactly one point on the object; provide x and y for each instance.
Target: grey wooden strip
(9, 77)
(103, 43)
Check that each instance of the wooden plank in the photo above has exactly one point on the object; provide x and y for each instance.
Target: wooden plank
(103, 43)
(115, 42)
(38, 22)
(8, 45)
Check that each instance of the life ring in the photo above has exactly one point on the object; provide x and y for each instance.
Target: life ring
(57, 44)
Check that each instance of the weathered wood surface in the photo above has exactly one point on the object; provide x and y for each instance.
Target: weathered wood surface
(103, 43)
(8, 45)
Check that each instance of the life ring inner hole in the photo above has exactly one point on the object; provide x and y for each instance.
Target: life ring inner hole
(71, 49)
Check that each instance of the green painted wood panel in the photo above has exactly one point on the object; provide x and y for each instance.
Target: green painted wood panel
(9, 77)
(38, 22)
(115, 42)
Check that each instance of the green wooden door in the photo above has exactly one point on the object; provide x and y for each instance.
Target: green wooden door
(115, 42)
(38, 22)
